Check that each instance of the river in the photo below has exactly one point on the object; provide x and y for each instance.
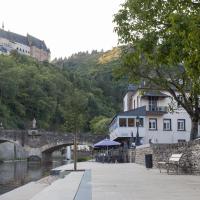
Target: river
(16, 174)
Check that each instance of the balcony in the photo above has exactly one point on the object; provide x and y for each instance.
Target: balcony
(157, 110)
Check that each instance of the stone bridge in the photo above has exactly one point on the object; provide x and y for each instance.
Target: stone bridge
(41, 144)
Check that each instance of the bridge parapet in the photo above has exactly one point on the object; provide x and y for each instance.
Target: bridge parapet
(42, 138)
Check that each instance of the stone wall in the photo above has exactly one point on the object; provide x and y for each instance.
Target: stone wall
(189, 162)
(12, 151)
(39, 54)
(141, 152)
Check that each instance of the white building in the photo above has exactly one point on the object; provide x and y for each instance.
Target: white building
(157, 123)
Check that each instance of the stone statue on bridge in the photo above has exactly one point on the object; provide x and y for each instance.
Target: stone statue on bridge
(1, 125)
(34, 123)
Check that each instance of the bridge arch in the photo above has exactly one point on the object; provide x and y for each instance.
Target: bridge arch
(3, 140)
(49, 148)
(34, 158)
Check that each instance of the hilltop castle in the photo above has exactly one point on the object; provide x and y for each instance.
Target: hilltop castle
(26, 45)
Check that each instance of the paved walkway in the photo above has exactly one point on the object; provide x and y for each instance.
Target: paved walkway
(135, 182)
(119, 182)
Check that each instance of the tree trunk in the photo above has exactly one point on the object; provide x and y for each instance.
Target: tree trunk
(75, 151)
(194, 129)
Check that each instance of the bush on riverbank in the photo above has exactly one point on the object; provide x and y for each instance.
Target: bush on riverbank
(84, 159)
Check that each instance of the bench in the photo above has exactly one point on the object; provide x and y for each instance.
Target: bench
(172, 164)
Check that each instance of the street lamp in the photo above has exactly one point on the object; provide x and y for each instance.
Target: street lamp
(137, 139)
(131, 140)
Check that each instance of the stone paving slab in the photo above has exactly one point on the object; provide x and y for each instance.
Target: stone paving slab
(85, 188)
(24, 192)
(128, 181)
(62, 189)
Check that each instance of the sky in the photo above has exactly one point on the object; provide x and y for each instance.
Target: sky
(66, 26)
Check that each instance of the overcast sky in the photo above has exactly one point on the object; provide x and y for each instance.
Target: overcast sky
(67, 26)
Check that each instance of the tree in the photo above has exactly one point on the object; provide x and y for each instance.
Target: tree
(100, 125)
(163, 48)
(75, 118)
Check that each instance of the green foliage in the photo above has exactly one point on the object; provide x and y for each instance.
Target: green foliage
(60, 98)
(100, 124)
(95, 72)
(84, 159)
(163, 40)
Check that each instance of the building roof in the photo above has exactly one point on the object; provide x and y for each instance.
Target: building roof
(141, 111)
(25, 40)
(33, 41)
(14, 37)
(154, 93)
(132, 87)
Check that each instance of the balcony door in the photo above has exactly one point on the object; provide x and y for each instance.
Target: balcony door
(153, 103)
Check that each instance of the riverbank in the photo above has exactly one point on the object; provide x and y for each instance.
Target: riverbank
(18, 173)
(120, 181)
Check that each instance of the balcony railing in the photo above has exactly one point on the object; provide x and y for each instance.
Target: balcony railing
(158, 108)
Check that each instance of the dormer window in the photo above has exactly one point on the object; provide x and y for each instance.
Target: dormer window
(153, 101)
(180, 98)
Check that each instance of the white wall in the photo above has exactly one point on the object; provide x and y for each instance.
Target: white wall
(136, 97)
(9, 45)
(161, 136)
(125, 102)
(6, 43)
(22, 49)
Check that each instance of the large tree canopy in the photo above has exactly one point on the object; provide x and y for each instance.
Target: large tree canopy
(163, 39)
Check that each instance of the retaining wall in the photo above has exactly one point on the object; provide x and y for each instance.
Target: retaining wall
(190, 161)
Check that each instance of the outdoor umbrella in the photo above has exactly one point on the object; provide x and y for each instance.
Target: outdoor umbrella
(106, 143)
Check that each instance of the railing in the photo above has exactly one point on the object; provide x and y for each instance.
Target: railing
(158, 108)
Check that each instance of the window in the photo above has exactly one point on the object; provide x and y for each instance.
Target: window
(122, 122)
(131, 122)
(167, 124)
(152, 124)
(181, 124)
(153, 103)
(180, 98)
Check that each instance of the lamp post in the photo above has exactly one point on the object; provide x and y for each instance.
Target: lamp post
(131, 140)
(137, 139)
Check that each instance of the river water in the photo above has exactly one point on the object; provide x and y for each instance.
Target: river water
(15, 174)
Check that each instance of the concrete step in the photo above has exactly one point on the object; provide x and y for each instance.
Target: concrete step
(62, 189)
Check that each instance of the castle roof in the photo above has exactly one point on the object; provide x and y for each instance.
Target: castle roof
(14, 37)
(25, 40)
(33, 41)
